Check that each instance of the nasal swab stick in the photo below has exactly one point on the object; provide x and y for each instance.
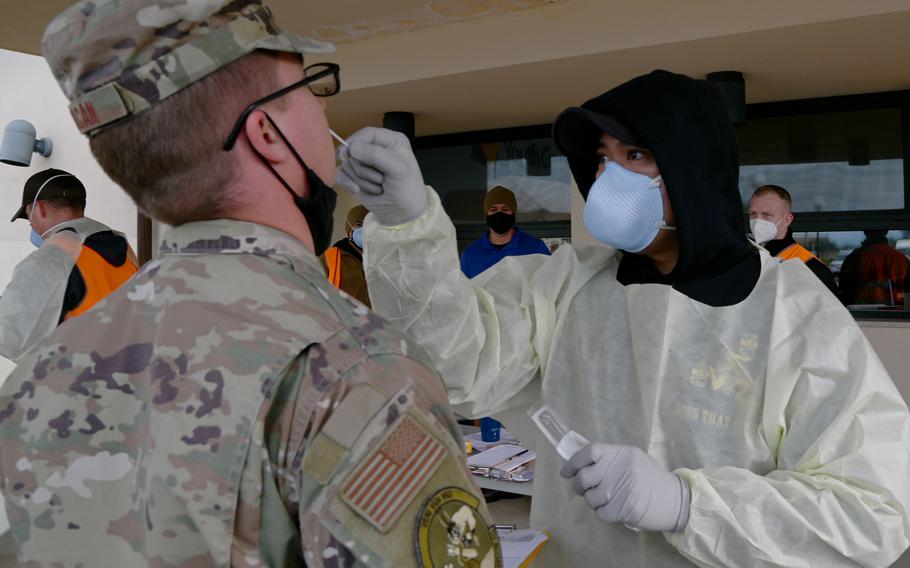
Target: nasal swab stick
(339, 138)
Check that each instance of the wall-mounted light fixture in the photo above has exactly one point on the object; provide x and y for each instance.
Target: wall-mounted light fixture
(732, 87)
(19, 143)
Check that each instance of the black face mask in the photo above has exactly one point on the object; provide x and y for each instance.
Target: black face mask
(500, 222)
(318, 208)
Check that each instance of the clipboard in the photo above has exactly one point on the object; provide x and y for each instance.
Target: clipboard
(509, 462)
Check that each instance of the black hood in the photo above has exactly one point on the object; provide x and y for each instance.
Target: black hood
(684, 123)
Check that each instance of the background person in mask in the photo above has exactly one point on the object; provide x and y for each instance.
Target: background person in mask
(227, 406)
(79, 261)
(738, 414)
(503, 238)
(343, 261)
(875, 273)
(770, 217)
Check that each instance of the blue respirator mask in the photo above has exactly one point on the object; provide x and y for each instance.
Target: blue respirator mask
(625, 209)
(357, 237)
(35, 238)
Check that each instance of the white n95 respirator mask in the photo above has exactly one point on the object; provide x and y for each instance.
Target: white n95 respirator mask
(763, 231)
(625, 209)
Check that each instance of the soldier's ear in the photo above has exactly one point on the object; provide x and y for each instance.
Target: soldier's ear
(264, 139)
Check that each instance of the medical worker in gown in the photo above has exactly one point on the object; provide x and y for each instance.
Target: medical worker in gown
(738, 415)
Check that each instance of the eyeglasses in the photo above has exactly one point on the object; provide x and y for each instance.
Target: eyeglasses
(322, 79)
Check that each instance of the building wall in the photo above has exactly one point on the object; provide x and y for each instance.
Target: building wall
(36, 97)
(890, 340)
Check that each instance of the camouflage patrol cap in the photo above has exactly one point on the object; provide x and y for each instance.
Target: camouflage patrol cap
(116, 58)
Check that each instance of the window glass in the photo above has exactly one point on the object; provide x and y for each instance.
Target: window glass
(836, 161)
(845, 167)
(872, 268)
(531, 168)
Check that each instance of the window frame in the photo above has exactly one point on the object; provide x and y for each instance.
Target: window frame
(832, 221)
(805, 222)
(827, 221)
(469, 231)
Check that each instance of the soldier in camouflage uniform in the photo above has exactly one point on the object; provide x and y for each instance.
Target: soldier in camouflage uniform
(227, 406)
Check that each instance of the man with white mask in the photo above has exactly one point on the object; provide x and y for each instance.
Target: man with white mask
(79, 261)
(343, 261)
(739, 417)
(770, 217)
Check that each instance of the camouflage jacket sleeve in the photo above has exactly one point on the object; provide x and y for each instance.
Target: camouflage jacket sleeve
(374, 467)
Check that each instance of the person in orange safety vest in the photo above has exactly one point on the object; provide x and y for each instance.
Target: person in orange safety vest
(79, 261)
(343, 262)
(770, 217)
(875, 273)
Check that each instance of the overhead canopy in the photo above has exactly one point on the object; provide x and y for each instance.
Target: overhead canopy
(476, 65)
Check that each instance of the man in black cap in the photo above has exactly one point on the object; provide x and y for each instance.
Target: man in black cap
(738, 415)
(79, 261)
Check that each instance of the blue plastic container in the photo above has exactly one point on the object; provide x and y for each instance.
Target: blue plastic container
(489, 430)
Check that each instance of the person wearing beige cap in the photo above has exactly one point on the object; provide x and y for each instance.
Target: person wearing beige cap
(79, 262)
(503, 238)
(343, 262)
(227, 406)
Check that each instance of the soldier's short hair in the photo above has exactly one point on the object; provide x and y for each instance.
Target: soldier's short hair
(169, 159)
(157, 86)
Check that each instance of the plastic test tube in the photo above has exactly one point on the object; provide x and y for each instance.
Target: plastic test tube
(567, 442)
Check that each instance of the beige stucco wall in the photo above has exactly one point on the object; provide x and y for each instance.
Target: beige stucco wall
(891, 341)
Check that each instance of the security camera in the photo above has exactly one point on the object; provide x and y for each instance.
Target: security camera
(19, 143)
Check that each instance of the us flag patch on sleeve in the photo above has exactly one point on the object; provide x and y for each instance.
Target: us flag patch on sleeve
(381, 488)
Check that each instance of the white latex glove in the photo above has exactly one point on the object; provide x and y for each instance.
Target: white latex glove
(625, 485)
(379, 166)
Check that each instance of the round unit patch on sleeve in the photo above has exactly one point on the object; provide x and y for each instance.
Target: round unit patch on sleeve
(451, 532)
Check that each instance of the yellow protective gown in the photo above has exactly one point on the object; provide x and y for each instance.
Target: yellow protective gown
(794, 440)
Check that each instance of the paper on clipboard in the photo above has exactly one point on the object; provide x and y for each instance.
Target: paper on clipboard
(496, 455)
(521, 546)
(516, 462)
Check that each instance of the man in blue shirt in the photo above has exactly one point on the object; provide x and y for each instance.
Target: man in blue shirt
(503, 239)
